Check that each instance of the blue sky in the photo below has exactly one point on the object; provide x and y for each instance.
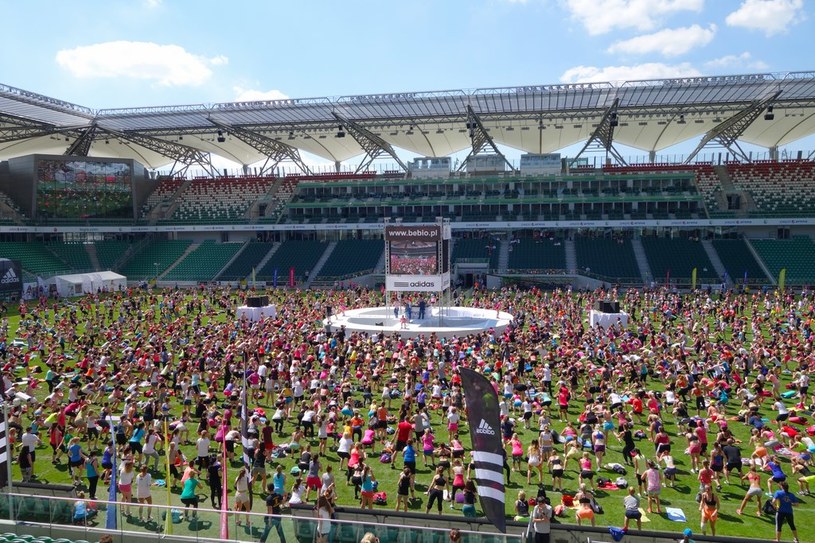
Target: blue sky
(110, 53)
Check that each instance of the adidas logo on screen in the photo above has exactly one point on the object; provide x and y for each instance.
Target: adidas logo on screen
(485, 428)
(10, 277)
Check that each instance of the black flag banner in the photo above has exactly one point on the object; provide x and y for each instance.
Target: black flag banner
(5, 451)
(488, 454)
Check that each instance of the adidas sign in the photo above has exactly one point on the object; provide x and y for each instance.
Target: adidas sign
(485, 428)
(10, 277)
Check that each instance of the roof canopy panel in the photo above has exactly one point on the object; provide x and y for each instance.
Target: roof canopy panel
(652, 115)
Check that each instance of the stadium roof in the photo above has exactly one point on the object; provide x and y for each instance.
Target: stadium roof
(767, 110)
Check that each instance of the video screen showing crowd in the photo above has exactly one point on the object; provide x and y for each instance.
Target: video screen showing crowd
(414, 257)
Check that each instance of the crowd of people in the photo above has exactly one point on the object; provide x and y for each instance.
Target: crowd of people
(700, 390)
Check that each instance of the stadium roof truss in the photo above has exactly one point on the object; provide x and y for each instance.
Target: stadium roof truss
(767, 110)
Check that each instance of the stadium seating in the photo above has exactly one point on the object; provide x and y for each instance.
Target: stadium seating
(676, 258)
(352, 256)
(607, 257)
(153, 259)
(108, 252)
(537, 255)
(709, 185)
(738, 260)
(219, 200)
(204, 262)
(75, 254)
(302, 255)
(476, 248)
(242, 266)
(777, 188)
(163, 193)
(34, 258)
(796, 255)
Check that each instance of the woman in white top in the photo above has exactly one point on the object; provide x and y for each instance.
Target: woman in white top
(242, 494)
(125, 482)
(344, 448)
(143, 482)
(323, 514)
(297, 492)
(149, 449)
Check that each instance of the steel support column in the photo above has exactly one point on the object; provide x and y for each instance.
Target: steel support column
(275, 151)
(480, 140)
(728, 132)
(373, 145)
(183, 155)
(604, 135)
(82, 144)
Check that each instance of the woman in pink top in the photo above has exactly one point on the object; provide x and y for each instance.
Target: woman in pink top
(517, 449)
(428, 446)
(653, 485)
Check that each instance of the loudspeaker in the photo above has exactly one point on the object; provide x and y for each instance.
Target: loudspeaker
(257, 301)
(607, 306)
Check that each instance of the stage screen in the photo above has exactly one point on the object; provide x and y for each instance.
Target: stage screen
(74, 188)
(413, 258)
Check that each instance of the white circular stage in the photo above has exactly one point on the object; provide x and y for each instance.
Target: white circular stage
(444, 322)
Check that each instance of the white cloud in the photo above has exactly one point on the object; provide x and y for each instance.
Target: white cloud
(769, 16)
(651, 70)
(729, 62)
(152, 3)
(670, 42)
(602, 16)
(253, 95)
(167, 65)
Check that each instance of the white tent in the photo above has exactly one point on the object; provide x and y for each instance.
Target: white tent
(79, 284)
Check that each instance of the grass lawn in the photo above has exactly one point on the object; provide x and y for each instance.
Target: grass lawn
(729, 524)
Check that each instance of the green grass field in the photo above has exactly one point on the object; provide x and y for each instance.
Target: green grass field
(729, 524)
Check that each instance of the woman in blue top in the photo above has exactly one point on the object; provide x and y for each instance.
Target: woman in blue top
(188, 495)
(107, 462)
(279, 481)
(778, 474)
(135, 442)
(75, 459)
(784, 500)
(367, 493)
(92, 473)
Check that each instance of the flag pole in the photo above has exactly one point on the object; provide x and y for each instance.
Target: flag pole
(168, 517)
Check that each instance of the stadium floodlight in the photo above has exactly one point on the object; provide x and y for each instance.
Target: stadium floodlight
(221, 138)
(340, 132)
(769, 116)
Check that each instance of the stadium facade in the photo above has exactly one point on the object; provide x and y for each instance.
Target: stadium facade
(79, 188)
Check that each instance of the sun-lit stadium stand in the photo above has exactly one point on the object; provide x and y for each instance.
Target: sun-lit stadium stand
(300, 255)
(503, 219)
(246, 261)
(351, 257)
(154, 258)
(163, 194)
(204, 262)
(609, 258)
(676, 258)
(219, 200)
(537, 255)
(796, 255)
(777, 188)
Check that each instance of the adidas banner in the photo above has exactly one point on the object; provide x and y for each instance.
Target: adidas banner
(488, 454)
(11, 277)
